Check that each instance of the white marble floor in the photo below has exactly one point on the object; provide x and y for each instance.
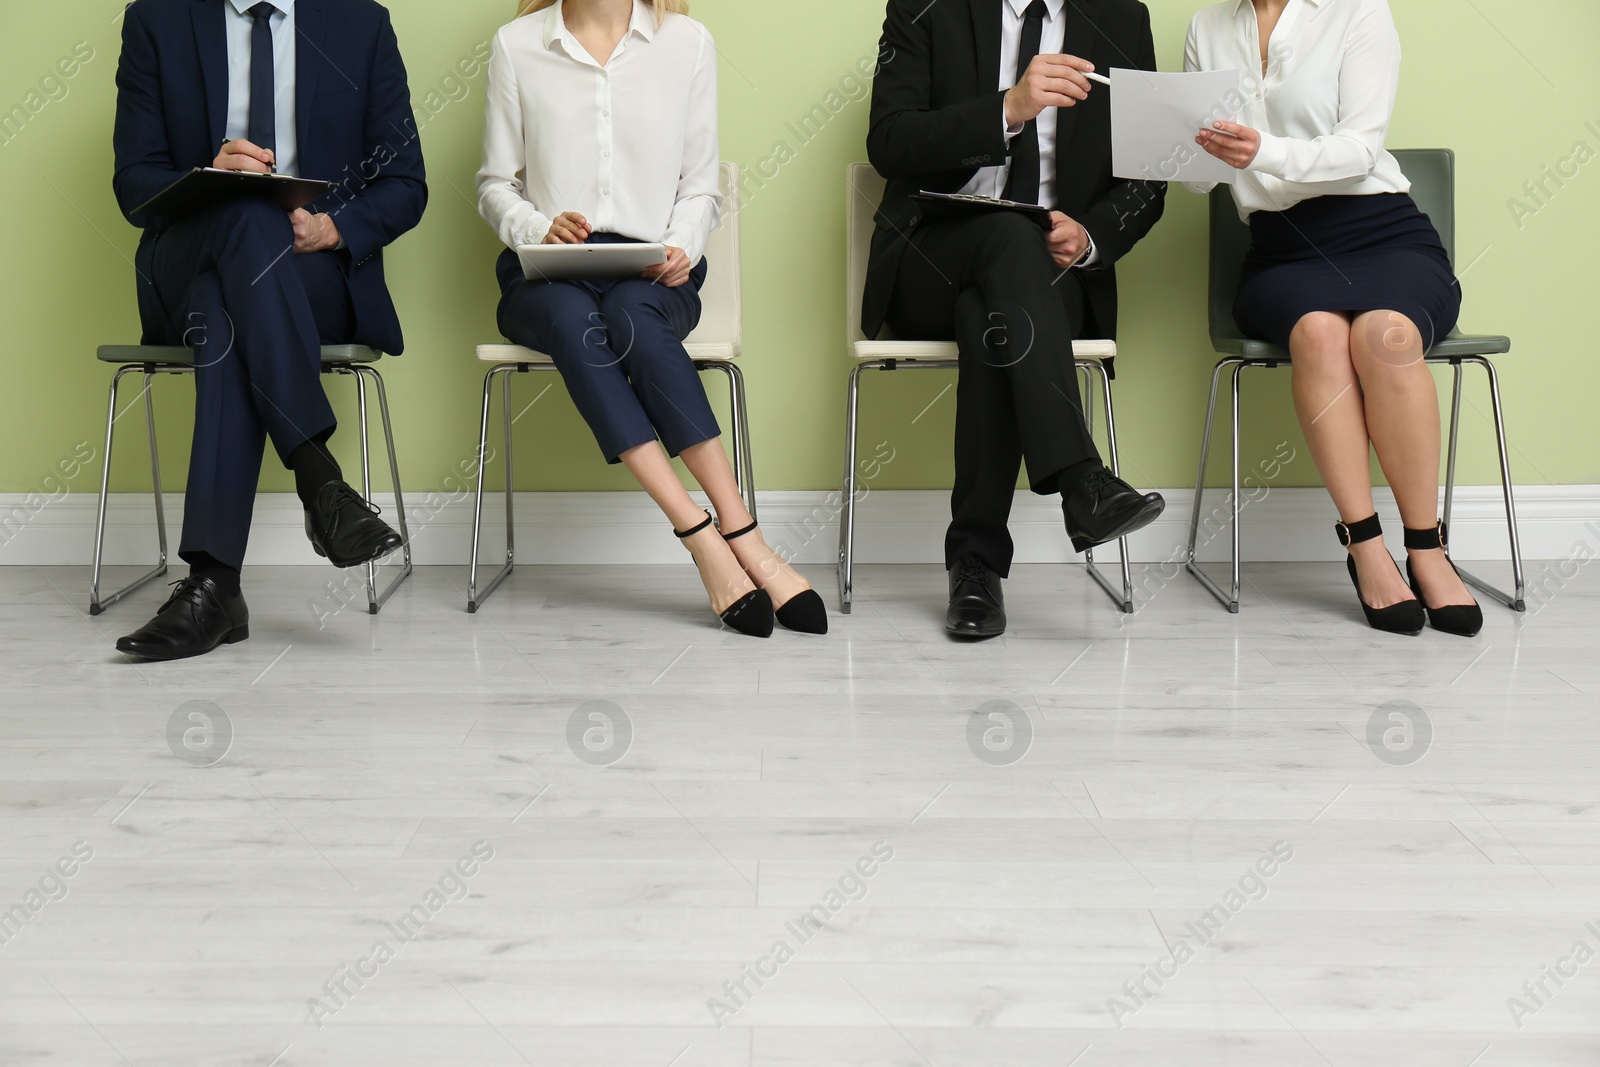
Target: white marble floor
(1184, 837)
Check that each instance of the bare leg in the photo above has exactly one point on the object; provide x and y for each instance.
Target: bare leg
(725, 580)
(1402, 405)
(1328, 401)
(708, 462)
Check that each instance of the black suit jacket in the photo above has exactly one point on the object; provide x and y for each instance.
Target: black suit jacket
(937, 118)
(353, 122)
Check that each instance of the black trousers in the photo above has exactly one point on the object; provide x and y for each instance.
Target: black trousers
(988, 283)
(256, 315)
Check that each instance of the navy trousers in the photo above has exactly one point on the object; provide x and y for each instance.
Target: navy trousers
(256, 315)
(619, 348)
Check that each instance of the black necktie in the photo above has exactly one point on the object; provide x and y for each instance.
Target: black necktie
(1023, 183)
(263, 81)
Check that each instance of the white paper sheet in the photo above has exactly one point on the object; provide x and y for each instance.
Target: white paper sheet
(1156, 117)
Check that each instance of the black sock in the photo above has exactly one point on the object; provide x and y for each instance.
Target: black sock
(204, 566)
(314, 467)
(1073, 476)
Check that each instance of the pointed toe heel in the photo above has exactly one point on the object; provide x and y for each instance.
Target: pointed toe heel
(1462, 620)
(804, 613)
(752, 615)
(1407, 617)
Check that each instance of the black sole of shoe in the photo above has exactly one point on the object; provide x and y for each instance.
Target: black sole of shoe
(968, 637)
(1141, 518)
(345, 564)
(233, 638)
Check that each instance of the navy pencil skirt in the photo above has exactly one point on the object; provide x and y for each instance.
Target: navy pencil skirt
(1348, 254)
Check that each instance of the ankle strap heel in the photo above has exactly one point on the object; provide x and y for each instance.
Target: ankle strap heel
(1406, 617)
(1463, 620)
(740, 533)
(1437, 536)
(1355, 533)
(682, 534)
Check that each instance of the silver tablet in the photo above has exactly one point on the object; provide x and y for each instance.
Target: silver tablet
(588, 262)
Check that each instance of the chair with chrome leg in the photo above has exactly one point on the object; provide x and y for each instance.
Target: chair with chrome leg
(1095, 360)
(1432, 176)
(714, 346)
(356, 361)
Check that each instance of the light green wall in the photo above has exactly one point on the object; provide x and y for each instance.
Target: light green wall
(1510, 85)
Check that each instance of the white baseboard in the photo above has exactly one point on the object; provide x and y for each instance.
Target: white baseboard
(893, 526)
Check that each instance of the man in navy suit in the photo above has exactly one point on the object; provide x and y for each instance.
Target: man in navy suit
(314, 88)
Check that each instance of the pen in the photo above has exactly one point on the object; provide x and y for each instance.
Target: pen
(272, 167)
(1102, 79)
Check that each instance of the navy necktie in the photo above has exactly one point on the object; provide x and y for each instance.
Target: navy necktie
(263, 81)
(1022, 185)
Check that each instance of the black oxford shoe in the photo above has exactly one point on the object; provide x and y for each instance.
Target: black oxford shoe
(346, 529)
(195, 619)
(1103, 508)
(977, 605)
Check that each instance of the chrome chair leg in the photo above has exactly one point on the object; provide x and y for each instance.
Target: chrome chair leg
(97, 604)
(1516, 600)
(847, 492)
(1123, 598)
(375, 599)
(1192, 564)
(475, 600)
(739, 414)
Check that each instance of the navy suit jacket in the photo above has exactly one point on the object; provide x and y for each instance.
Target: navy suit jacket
(353, 120)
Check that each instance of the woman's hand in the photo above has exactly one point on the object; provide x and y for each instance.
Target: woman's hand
(242, 155)
(674, 272)
(568, 228)
(1232, 143)
(1068, 240)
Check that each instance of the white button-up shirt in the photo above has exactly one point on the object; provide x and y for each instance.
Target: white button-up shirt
(1322, 108)
(241, 27)
(991, 181)
(631, 144)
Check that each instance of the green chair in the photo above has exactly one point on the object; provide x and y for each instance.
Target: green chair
(1432, 175)
(151, 360)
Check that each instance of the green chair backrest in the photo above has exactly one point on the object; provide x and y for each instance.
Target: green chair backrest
(1432, 172)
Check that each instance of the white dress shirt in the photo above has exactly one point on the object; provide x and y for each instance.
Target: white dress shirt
(631, 145)
(241, 26)
(1324, 104)
(991, 181)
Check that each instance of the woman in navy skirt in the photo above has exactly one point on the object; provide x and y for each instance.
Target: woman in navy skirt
(601, 127)
(1346, 273)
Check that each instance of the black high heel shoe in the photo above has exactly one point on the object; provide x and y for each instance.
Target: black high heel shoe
(1463, 620)
(804, 612)
(751, 614)
(1406, 617)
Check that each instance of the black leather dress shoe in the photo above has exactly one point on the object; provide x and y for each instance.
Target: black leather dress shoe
(195, 619)
(1103, 508)
(346, 529)
(977, 604)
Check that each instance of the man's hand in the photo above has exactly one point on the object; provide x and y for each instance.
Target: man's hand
(313, 233)
(1052, 80)
(1068, 240)
(242, 155)
(674, 272)
(1238, 150)
(568, 228)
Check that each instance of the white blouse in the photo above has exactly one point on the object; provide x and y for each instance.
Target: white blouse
(1324, 106)
(630, 145)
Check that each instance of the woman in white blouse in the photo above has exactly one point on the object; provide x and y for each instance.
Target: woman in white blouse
(601, 127)
(1345, 272)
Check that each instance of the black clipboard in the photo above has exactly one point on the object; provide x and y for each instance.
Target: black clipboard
(206, 187)
(967, 202)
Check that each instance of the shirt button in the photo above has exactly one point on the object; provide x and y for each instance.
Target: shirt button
(605, 114)
(605, 192)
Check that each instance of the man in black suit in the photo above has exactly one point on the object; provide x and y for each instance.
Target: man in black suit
(314, 88)
(989, 97)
